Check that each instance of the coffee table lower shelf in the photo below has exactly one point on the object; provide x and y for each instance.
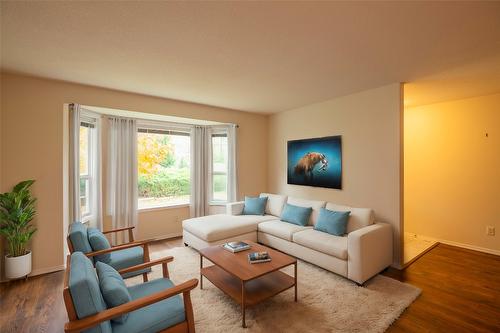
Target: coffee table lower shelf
(256, 290)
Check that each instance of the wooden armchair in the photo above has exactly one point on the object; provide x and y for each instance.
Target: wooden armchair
(140, 318)
(94, 244)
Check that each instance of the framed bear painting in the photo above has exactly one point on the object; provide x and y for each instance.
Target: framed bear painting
(316, 162)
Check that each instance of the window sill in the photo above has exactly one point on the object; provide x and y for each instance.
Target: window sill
(218, 203)
(151, 209)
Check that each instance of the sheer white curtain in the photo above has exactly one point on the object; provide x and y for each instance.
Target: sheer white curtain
(96, 188)
(74, 163)
(232, 171)
(200, 170)
(122, 173)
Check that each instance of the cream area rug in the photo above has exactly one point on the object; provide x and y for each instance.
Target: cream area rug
(326, 302)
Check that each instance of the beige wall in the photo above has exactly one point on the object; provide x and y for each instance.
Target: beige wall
(452, 171)
(32, 147)
(369, 123)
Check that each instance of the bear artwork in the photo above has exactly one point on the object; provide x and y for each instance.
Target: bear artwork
(315, 162)
(306, 164)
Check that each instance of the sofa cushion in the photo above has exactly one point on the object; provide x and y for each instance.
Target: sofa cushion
(78, 237)
(155, 317)
(332, 222)
(98, 242)
(296, 214)
(113, 288)
(275, 203)
(322, 242)
(283, 230)
(359, 217)
(254, 206)
(314, 204)
(212, 228)
(85, 292)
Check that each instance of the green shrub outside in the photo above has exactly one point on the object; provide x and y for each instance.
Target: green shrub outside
(167, 182)
(170, 182)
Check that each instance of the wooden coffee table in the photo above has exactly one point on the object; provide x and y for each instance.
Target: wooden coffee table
(248, 284)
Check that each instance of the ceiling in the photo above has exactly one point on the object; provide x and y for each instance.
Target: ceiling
(257, 56)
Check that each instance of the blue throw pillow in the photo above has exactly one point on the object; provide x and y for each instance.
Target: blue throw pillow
(296, 214)
(113, 288)
(254, 206)
(99, 242)
(332, 222)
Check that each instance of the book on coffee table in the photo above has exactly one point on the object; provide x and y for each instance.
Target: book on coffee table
(258, 257)
(236, 246)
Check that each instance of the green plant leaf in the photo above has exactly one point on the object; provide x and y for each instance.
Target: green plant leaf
(17, 211)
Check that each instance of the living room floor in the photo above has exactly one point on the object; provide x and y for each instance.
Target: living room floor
(460, 293)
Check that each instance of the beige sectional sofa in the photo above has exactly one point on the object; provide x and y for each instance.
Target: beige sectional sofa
(363, 252)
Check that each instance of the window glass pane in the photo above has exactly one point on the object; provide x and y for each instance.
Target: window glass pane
(219, 187)
(84, 196)
(219, 168)
(84, 150)
(163, 169)
(219, 151)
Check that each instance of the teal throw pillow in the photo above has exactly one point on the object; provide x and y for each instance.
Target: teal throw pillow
(113, 288)
(332, 222)
(254, 206)
(99, 242)
(296, 214)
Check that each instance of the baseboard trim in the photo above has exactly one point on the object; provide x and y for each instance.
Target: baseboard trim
(41, 271)
(52, 269)
(168, 236)
(470, 247)
(462, 245)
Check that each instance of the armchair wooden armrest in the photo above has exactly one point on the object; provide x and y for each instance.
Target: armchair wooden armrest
(90, 321)
(118, 230)
(163, 261)
(130, 233)
(118, 247)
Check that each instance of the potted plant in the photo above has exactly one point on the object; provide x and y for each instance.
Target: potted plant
(17, 210)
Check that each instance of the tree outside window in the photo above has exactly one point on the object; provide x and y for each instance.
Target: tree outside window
(163, 160)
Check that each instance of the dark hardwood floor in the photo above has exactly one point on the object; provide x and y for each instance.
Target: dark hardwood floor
(460, 293)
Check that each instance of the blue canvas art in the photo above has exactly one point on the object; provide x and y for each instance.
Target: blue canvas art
(316, 162)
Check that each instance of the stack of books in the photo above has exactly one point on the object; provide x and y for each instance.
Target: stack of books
(257, 257)
(236, 246)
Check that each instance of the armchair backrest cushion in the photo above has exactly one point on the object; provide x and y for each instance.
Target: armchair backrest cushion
(113, 288)
(78, 237)
(315, 205)
(275, 203)
(99, 242)
(359, 217)
(85, 292)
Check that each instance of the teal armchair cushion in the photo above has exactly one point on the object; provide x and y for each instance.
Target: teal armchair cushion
(126, 258)
(113, 288)
(296, 214)
(85, 292)
(99, 242)
(254, 206)
(78, 237)
(155, 317)
(332, 222)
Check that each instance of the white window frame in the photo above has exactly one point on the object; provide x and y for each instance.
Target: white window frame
(169, 129)
(214, 202)
(92, 152)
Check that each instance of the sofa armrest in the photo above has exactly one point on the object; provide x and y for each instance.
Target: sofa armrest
(235, 208)
(369, 251)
